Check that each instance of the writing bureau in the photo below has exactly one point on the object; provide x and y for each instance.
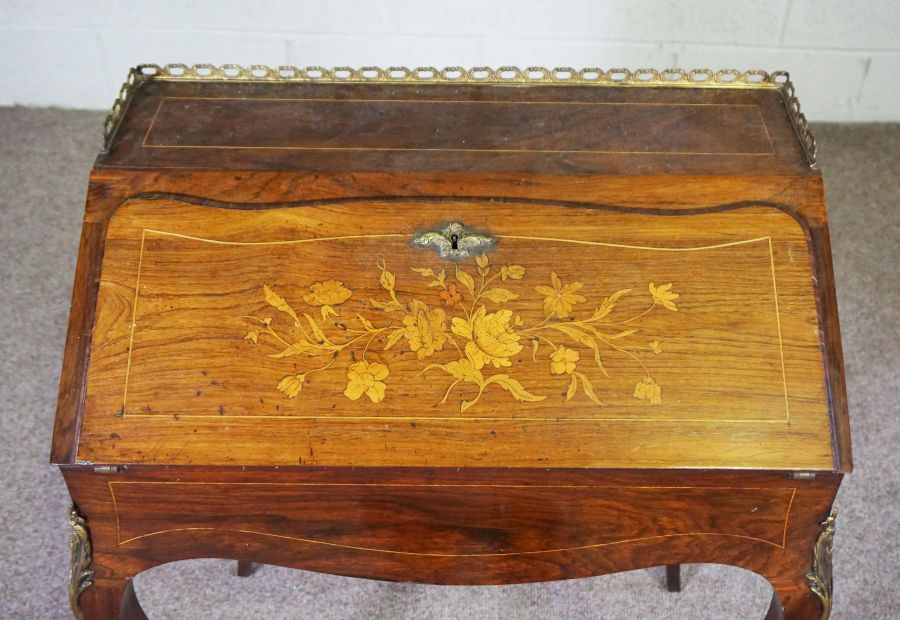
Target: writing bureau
(454, 327)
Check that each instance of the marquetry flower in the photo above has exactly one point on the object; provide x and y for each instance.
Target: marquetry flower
(491, 338)
(329, 292)
(450, 296)
(366, 378)
(426, 330)
(252, 336)
(559, 298)
(664, 296)
(656, 347)
(648, 390)
(512, 272)
(562, 361)
(291, 385)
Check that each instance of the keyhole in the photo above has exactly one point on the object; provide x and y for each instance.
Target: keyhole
(454, 241)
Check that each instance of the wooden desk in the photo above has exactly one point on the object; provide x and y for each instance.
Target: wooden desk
(454, 332)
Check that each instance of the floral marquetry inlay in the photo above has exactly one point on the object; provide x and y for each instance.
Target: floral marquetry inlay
(469, 316)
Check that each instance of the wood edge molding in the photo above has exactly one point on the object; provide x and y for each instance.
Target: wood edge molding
(505, 200)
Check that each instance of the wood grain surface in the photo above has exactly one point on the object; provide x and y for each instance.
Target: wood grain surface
(471, 526)
(591, 369)
(363, 124)
(329, 514)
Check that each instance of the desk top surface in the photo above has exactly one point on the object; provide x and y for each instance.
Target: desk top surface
(543, 127)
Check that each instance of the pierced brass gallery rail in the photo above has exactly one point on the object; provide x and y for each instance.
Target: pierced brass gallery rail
(558, 76)
(469, 315)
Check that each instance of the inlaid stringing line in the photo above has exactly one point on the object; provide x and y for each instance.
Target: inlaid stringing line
(448, 150)
(121, 542)
(144, 232)
(787, 515)
(112, 495)
(444, 484)
(780, 344)
(358, 418)
(137, 288)
(518, 237)
(440, 555)
(162, 101)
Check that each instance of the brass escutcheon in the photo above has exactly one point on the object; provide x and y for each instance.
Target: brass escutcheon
(453, 241)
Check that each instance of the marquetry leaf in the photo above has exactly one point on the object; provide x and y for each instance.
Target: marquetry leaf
(622, 334)
(500, 295)
(573, 385)
(512, 272)
(575, 334)
(391, 306)
(466, 280)
(589, 389)
(298, 348)
(316, 330)
(394, 338)
(461, 327)
(609, 303)
(327, 311)
(515, 388)
(365, 322)
(593, 345)
(277, 301)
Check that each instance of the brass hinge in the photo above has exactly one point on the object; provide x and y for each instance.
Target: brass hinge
(107, 469)
(803, 475)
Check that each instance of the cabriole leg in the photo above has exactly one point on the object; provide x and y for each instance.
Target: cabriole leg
(245, 568)
(673, 577)
(100, 598)
(111, 599)
(808, 597)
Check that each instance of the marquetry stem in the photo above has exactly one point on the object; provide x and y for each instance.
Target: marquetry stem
(82, 575)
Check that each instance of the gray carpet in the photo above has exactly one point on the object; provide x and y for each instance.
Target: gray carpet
(45, 155)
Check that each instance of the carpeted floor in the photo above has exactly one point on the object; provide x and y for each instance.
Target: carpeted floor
(45, 155)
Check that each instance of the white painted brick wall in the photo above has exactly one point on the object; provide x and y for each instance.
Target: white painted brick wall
(844, 56)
